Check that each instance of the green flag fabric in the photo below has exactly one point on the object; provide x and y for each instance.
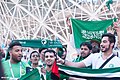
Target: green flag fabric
(33, 75)
(41, 43)
(108, 3)
(109, 73)
(87, 73)
(87, 30)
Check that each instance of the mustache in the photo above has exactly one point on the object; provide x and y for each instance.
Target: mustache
(20, 55)
(82, 52)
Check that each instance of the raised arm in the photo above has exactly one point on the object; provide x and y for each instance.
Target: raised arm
(117, 28)
(72, 64)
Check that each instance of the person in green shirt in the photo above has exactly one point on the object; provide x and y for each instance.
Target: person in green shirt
(41, 60)
(14, 68)
(41, 53)
(34, 59)
(50, 58)
(33, 72)
(85, 51)
(1, 71)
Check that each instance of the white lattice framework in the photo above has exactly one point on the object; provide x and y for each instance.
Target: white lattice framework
(34, 19)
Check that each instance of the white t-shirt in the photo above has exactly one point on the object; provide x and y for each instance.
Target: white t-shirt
(96, 61)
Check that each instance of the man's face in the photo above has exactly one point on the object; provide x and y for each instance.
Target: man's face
(49, 58)
(64, 55)
(105, 44)
(16, 53)
(42, 54)
(35, 57)
(84, 50)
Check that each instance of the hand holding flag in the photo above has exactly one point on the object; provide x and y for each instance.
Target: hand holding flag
(117, 29)
(55, 73)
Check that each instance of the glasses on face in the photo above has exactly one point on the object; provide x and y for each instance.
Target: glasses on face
(35, 55)
(49, 56)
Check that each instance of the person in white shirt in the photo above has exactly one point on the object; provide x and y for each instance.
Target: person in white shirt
(96, 60)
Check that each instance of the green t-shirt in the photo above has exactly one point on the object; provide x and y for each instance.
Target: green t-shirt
(48, 76)
(16, 70)
(78, 59)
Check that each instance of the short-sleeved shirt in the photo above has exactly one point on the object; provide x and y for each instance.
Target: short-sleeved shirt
(80, 58)
(17, 70)
(96, 61)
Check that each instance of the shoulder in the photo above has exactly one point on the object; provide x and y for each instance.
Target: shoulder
(92, 57)
(5, 62)
(116, 58)
(3, 59)
(25, 64)
(95, 54)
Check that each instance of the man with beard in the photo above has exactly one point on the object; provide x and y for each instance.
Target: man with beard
(14, 68)
(50, 61)
(96, 60)
(85, 51)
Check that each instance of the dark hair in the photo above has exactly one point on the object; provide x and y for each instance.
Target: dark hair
(34, 52)
(40, 49)
(65, 48)
(50, 51)
(61, 49)
(14, 43)
(110, 36)
(11, 45)
(88, 44)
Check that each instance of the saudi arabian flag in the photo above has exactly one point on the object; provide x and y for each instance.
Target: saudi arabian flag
(87, 73)
(33, 75)
(87, 30)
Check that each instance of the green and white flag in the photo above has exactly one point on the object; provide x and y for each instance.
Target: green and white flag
(33, 75)
(87, 30)
(87, 73)
(41, 43)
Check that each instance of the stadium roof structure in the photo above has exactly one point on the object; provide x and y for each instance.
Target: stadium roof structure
(38, 19)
